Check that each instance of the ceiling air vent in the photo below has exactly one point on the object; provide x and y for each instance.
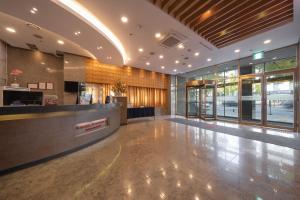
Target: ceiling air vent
(32, 46)
(172, 39)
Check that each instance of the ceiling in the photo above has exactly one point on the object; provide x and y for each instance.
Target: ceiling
(145, 20)
(54, 19)
(224, 22)
(44, 40)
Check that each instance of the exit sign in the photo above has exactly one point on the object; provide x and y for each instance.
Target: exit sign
(258, 55)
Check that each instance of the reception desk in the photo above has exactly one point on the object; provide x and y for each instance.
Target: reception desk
(33, 134)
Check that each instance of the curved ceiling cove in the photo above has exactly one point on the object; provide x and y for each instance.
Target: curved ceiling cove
(84, 14)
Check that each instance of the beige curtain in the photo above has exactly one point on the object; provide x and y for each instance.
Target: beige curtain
(138, 96)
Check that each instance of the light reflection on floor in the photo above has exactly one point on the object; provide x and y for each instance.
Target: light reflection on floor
(160, 159)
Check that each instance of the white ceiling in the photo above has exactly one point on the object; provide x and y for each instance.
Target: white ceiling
(144, 21)
(57, 20)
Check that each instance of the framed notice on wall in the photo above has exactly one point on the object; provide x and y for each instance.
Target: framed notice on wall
(42, 85)
(49, 86)
(32, 85)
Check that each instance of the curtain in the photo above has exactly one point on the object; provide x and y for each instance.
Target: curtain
(138, 96)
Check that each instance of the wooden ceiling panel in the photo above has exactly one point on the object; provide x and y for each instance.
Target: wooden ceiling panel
(224, 22)
(250, 18)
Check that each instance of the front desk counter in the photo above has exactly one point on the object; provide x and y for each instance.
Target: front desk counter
(33, 134)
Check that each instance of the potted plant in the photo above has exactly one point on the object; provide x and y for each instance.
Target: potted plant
(15, 73)
(119, 88)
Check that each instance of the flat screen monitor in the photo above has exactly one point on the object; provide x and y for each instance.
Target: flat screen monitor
(71, 86)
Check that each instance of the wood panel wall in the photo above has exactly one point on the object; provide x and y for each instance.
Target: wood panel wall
(97, 72)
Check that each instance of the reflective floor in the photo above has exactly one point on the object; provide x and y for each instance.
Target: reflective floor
(159, 159)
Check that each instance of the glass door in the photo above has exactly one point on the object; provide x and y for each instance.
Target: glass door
(280, 99)
(193, 102)
(207, 102)
(251, 99)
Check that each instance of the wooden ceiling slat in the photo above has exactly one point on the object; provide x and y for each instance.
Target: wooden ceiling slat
(252, 27)
(220, 24)
(183, 7)
(216, 9)
(223, 22)
(275, 10)
(255, 33)
(252, 32)
(201, 11)
(234, 9)
(196, 7)
(164, 3)
(174, 5)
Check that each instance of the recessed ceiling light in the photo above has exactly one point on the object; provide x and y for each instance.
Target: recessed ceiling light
(268, 41)
(43, 63)
(11, 30)
(33, 10)
(161, 56)
(176, 61)
(141, 50)
(128, 59)
(108, 57)
(208, 59)
(98, 25)
(162, 67)
(66, 62)
(181, 46)
(196, 54)
(189, 65)
(124, 19)
(157, 35)
(77, 33)
(237, 51)
(60, 42)
(147, 63)
(99, 47)
(250, 63)
(175, 70)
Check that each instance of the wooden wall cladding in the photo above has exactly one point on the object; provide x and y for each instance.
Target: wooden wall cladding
(108, 74)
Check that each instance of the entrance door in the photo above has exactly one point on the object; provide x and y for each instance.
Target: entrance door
(280, 95)
(208, 102)
(193, 102)
(251, 99)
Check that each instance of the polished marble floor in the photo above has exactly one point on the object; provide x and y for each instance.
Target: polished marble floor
(159, 159)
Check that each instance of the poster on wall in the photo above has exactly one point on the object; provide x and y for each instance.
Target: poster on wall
(32, 85)
(49, 86)
(42, 85)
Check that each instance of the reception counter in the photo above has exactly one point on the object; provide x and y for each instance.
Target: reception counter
(33, 134)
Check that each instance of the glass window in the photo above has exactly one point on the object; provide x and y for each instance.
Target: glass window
(281, 64)
(227, 91)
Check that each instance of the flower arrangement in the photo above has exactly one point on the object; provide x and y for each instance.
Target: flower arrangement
(15, 73)
(119, 88)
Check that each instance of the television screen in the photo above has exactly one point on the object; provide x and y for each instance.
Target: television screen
(71, 86)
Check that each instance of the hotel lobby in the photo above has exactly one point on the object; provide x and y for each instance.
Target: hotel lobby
(149, 99)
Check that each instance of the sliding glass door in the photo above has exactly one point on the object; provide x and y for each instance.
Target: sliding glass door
(193, 102)
(280, 99)
(251, 99)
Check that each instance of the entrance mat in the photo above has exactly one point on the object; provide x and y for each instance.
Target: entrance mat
(244, 133)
